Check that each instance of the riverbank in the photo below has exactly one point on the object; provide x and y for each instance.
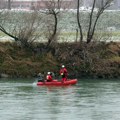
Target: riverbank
(98, 59)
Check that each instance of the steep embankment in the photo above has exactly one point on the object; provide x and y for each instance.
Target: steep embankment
(93, 60)
(18, 62)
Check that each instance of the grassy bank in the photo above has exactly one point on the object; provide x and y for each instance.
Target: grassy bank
(100, 60)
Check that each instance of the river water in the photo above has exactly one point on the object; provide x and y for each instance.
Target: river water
(21, 99)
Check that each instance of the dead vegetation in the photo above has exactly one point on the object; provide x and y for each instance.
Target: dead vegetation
(93, 60)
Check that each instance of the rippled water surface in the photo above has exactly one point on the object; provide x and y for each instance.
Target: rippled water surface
(88, 100)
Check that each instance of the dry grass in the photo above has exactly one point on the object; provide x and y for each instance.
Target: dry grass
(97, 59)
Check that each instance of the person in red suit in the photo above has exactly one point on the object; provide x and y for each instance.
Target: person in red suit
(49, 77)
(63, 73)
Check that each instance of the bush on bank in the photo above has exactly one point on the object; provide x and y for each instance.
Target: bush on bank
(98, 59)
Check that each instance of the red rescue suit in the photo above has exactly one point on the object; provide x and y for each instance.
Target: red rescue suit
(49, 78)
(64, 74)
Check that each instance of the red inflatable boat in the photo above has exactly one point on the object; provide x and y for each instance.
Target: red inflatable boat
(58, 83)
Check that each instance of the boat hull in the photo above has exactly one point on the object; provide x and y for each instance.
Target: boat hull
(58, 83)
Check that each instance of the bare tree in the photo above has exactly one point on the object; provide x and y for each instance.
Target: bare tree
(78, 20)
(52, 11)
(22, 27)
(92, 23)
(9, 4)
(93, 17)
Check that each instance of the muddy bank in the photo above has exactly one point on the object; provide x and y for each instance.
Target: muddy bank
(97, 59)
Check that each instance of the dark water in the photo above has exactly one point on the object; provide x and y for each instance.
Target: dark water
(88, 100)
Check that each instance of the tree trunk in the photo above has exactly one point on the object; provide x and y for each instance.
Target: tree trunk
(52, 37)
(78, 21)
(89, 33)
(9, 4)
